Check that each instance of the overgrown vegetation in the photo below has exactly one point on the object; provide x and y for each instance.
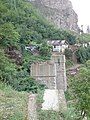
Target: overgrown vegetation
(43, 114)
(20, 26)
(13, 104)
(15, 76)
(69, 63)
(49, 115)
(79, 92)
(83, 38)
(83, 54)
(69, 114)
(68, 53)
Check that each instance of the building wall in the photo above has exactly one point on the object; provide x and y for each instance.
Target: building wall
(60, 48)
(57, 49)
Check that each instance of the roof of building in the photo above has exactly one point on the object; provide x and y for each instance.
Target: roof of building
(56, 42)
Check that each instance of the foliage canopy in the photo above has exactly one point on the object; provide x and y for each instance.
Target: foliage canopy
(80, 85)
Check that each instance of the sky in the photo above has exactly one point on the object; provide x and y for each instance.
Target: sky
(82, 8)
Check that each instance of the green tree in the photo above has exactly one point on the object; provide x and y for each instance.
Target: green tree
(80, 85)
(71, 39)
(45, 50)
(20, 24)
(8, 34)
(7, 68)
(83, 38)
(68, 53)
(83, 54)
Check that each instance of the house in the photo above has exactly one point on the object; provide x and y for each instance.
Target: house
(58, 45)
(83, 44)
(86, 44)
(33, 49)
(30, 47)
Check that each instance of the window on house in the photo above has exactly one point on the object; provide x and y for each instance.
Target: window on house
(54, 46)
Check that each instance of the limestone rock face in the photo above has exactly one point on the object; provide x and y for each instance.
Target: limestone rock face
(59, 12)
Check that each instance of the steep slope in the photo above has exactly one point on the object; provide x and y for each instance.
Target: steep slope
(59, 12)
(21, 26)
(13, 104)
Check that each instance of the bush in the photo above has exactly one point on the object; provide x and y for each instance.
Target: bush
(71, 39)
(45, 50)
(69, 63)
(83, 54)
(27, 84)
(68, 53)
(13, 104)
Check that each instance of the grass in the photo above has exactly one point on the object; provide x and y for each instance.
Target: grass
(44, 114)
(13, 104)
(69, 63)
(53, 115)
(49, 115)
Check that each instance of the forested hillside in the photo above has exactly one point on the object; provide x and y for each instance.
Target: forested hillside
(78, 93)
(20, 26)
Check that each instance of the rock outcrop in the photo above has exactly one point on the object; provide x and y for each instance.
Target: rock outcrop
(59, 12)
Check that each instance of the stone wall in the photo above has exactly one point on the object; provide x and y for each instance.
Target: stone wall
(61, 81)
(32, 107)
(51, 73)
(44, 73)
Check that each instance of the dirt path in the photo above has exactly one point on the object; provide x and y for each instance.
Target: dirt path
(32, 115)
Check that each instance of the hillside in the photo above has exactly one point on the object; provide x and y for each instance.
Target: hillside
(59, 12)
(23, 29)
(13, 104)
(20, 27)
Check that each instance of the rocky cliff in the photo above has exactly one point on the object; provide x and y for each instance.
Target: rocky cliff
(59, 12)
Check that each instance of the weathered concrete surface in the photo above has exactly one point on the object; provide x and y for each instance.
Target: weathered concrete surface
(62, 101)
(54, 100)
(51, 73)
(61, 81)
(51, 101)
(32, 114)
(44, 73)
